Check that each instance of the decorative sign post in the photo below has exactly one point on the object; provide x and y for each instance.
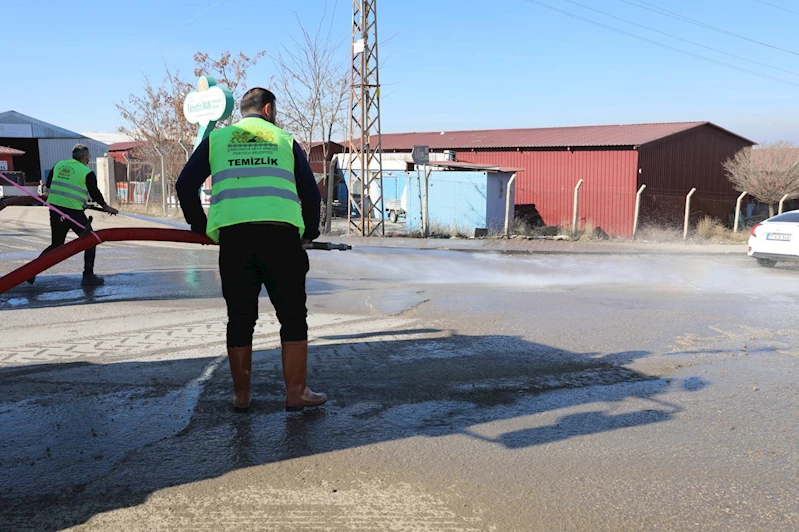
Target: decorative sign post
(206, 106)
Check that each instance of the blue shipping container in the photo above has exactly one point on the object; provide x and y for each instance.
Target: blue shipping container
(460, 201)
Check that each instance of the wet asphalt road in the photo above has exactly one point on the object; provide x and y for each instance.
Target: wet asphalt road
(468, 392)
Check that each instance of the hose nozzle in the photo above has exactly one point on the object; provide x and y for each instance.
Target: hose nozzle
(328, 246)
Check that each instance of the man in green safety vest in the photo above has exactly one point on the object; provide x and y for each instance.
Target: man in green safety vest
(264, 206)
(71, 183)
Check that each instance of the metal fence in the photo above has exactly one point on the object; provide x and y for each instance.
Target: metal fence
(147, 180)
(134, 183)
(623, 212)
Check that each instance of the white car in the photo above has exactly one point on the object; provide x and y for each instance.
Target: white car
(776, 239)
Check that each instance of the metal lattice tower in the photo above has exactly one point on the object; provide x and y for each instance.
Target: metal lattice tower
(365, 189)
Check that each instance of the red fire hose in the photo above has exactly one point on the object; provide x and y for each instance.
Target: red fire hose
(48, 260)
(37, 266)
(15, 200)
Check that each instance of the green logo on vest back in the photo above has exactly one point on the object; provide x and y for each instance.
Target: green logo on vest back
(257, 135)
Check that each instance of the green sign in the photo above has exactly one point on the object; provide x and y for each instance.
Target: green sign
(207, 105)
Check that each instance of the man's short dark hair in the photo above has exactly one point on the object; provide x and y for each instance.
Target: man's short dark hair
(79, 151)
(255, 99)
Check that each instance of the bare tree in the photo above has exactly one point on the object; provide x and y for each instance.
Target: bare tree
(313, 83)
(767, 173)
(155, 119)
(155, 116)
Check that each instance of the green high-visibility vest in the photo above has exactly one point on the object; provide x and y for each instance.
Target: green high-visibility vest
(252, 174)
(68, 188)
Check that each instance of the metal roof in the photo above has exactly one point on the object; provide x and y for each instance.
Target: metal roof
(332, 143)
(555, 137)
(473, 166)
(40, 129)
(5, 150)
(124, 146)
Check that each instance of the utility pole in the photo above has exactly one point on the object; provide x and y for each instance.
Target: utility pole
(365, 154)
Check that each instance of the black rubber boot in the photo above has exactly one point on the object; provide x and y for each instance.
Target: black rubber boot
(92, 280)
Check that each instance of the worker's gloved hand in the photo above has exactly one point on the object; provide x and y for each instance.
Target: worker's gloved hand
(110, 210)
(199, 227)
(310, 235)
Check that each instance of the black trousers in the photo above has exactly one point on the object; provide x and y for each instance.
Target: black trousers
(60, 227)
(255, 255)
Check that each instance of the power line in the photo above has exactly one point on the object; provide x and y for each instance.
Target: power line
(662, 45)
(778, 7)
(681, 39)
(667, 13)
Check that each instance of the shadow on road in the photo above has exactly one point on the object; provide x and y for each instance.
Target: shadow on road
(82, 439)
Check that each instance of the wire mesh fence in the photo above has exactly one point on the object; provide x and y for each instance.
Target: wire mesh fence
(134, 182)
(613, 210)
(140, 185)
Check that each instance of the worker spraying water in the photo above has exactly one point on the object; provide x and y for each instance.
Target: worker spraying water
(69, 183)
(264, 206)
(264, 214)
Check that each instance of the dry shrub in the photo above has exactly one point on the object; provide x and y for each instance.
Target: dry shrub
(439, 230)
(586, 234)
(723, 235)
(519, 226)
(708, 227)
(658, 234)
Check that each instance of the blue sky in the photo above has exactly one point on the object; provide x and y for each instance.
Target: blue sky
(446, 64)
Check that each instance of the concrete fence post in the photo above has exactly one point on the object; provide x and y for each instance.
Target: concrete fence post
(331, 183)
(508, 204)
(782, 203)
(687, 213)
(575, 218)
(738, 211)
(186, 149)
(127, 173)
(127, 165)
(637, 209)
(163, 178)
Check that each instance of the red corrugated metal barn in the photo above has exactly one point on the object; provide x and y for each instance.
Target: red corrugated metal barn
(612, 161)
(318, 162)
